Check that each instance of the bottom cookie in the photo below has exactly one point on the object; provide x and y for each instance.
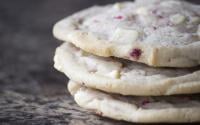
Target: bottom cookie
(168, 109)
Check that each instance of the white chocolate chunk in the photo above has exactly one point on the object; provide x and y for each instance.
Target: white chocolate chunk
(142, 11)
(118, 6)
(126, 36)
(114, 74)
(195, 20)
(177, 18)
(100, 66)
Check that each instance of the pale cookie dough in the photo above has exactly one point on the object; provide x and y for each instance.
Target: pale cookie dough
(172, 109)
(122, 76)
(160, 33)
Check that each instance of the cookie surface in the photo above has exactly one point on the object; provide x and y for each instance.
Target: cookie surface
(122, 77)
(160, 33)
(169, 109)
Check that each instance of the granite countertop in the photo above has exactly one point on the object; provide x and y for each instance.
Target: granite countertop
(31, 90)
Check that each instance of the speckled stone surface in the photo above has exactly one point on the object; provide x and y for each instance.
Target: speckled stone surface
(32, 92)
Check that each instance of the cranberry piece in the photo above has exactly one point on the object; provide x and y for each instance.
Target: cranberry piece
(144, 102)
(136, 53)
(118, 17)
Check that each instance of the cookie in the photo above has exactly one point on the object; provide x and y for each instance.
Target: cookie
(171, 109)
(122, 76)
(160, 33)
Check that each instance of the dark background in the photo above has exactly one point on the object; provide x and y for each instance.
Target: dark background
(31, 91)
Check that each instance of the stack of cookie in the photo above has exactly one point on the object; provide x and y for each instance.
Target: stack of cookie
(134, 61)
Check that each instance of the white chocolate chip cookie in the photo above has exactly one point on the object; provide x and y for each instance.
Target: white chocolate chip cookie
(122, 76)
(160, 33)
(171, 109)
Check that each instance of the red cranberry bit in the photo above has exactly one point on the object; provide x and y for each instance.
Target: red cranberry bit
(136, 53)
(118, 17)
(144, 102)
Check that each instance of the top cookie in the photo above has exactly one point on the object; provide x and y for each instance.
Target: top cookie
(160, 33)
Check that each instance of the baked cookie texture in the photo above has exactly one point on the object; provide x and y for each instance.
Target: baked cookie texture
(159, 33)
(171, 109)
(134, 61)
(122, 76)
